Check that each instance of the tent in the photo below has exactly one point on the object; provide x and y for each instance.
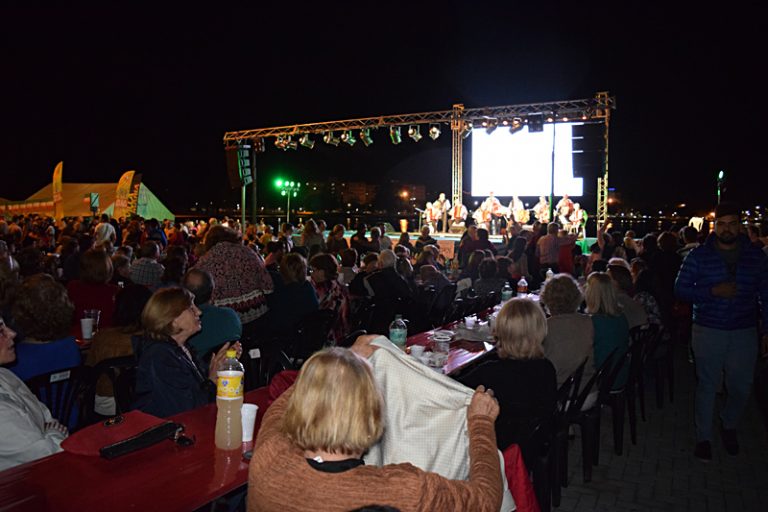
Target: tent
(77, 203)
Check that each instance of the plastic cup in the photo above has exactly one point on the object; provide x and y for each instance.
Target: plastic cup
(417, 351)
(86, 326)
(93, 314)
(248, 415)
(470, 322)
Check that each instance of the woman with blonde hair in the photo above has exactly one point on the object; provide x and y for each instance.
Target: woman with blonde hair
(170, 378)
(608, 320)
(521, 377)
(314, 436)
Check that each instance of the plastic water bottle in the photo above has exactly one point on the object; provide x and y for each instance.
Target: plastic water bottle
(522, 286)
(549, 275)
(398, 332)
(229, 400)
(506, 292)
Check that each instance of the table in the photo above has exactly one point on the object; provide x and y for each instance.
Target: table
(461, 353)
(163, 477)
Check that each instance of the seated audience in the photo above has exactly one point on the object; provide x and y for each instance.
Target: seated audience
(348, 266)
(430, 276)
(519, 260)
(610, 324)
(634, 311)
(488, 281)
(29, 431)
(218, 325)
(522, 379)
(116, 341)
(336, 243)
(312, 238)
(644, 296)
(294, 300)
(370, 264)
(386, 283)
(170, 379)
(331, 294)
(314, 436)
(93, 289)
(42, 314)
(570, 335)
(242, 280)
(405, 241)
(424, 239)
(147, 270)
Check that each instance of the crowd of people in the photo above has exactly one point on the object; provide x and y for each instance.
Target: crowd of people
(178, 295)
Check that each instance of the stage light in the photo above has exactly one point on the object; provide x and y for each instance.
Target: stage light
(490, 125)
(413, 132)
(349, 138)
(291, 144)
(280, 142)
(516, 126)
(467, 130)
(434, 131)
(306, 141)
(394, 134)
(328, 138)
(365, 136)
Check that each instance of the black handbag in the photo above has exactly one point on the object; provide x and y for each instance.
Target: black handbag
(146, 438)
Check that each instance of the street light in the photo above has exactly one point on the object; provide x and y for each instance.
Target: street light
(720, 183)
(288, 189)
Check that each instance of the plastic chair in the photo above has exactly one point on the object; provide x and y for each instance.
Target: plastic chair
(588, 422)
(616, 399)
(64, 390)
(441, 306)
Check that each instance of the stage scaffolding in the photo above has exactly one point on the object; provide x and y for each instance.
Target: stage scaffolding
(461, 121)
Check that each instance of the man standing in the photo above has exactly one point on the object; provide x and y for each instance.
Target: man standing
(725, 279)
(442, 205)
(104, 231)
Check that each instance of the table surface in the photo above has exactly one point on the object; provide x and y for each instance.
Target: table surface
(163, 477)
(461, 352)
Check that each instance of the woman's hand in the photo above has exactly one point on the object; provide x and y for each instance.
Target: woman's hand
(483, 404)
(363, 347)
(220, 356)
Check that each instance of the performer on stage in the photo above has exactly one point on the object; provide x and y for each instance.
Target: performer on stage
(564, 209)
(517, 211)
(492, 210)
(578, 221)
(458, 217)
(541, 210)
(429, 217)
(442, 205)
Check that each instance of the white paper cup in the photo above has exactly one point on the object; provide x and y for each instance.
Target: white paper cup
(470, 322)
(417, 351)
(248, 415)
(86, 326)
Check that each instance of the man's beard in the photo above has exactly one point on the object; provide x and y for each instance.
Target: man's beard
(726, 239)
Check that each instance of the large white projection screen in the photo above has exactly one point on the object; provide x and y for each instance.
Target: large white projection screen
(520, 163)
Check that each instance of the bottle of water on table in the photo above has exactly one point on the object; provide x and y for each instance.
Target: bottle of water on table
(398, 332)
(506, 293)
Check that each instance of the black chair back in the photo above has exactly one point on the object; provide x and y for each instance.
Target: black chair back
(121, 373)
(63, 390)
(441, 305)
(575, 407)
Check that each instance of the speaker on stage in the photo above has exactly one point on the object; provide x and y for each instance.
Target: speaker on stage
(535, 123)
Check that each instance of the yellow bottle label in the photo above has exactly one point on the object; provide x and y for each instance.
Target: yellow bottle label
(229, 385)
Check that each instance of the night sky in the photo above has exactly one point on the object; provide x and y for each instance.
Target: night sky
(111, 90)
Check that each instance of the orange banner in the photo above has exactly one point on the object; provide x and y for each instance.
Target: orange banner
(122, 194)
(58, 189)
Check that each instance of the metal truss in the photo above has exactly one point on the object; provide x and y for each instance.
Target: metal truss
(586, 109)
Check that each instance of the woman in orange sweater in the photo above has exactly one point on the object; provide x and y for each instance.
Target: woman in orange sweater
(308, 455)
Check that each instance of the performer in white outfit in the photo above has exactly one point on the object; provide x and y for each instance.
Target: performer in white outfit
(442, 205)
(564, 208)
(541, 210)
(458, 217)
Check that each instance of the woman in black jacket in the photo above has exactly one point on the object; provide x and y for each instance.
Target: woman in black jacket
(170, 378)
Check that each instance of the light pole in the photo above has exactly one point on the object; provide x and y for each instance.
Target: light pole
(720, 183)
(288, 189)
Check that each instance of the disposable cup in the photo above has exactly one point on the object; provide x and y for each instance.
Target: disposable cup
(470, 322)
(86, 326)
(417, 351)
(248, 415)
(95, 315)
